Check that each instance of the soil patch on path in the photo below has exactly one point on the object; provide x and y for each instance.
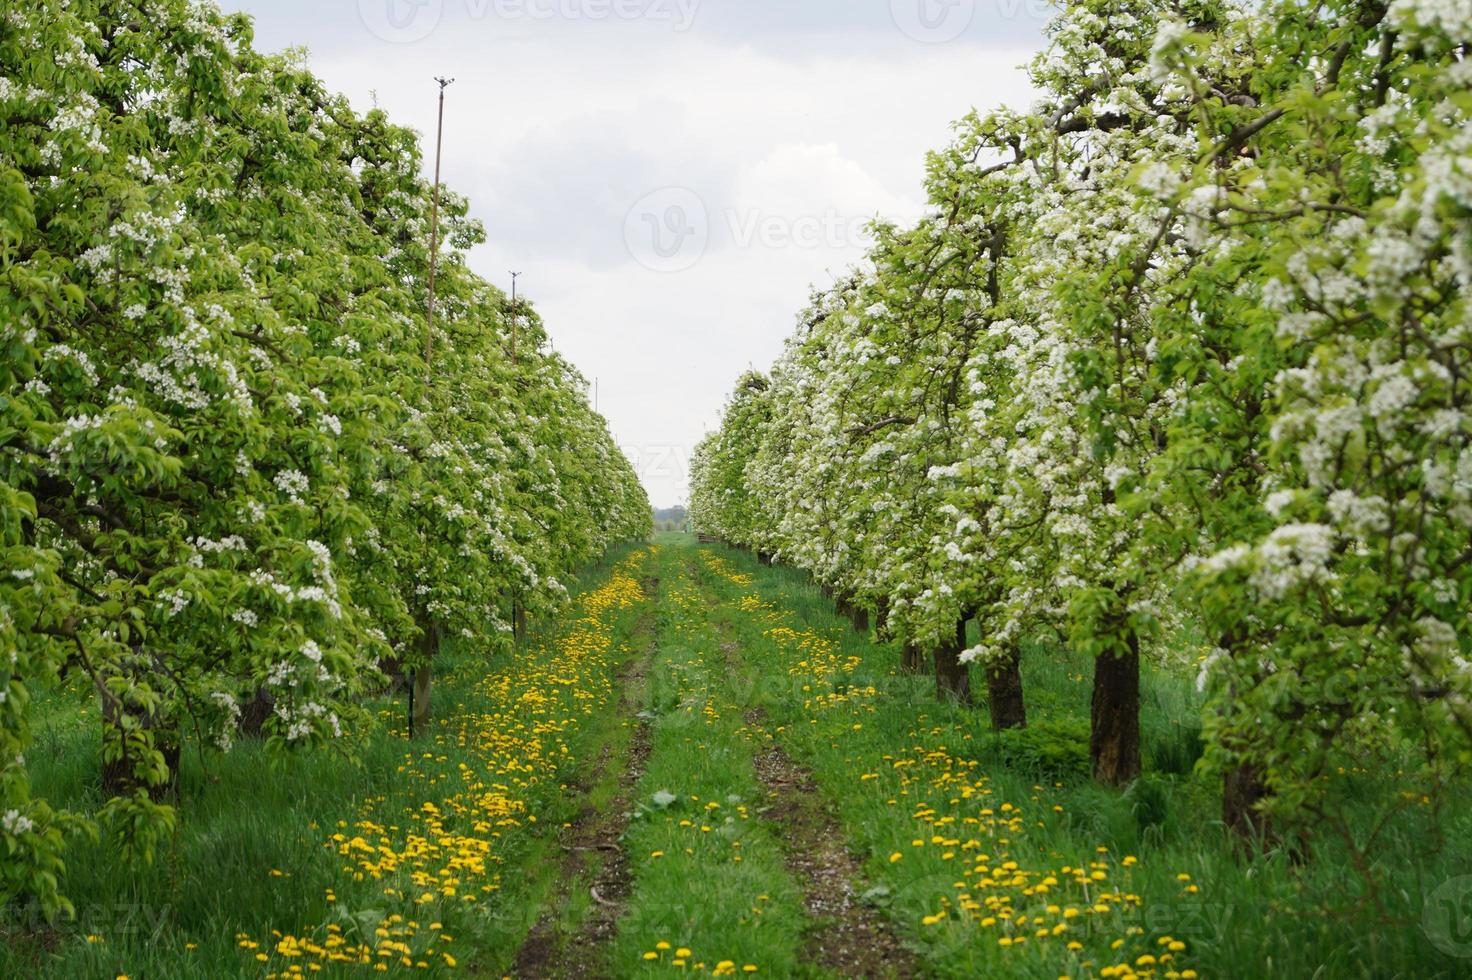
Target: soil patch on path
(593, 853)
(848, 937)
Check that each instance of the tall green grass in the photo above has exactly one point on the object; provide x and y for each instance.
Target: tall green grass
(1311, 912)
(709, 874)
(249, 853)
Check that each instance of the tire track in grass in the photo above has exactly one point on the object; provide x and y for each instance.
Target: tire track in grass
(440, 850)
(847, 936)
(985, 868)
(843, 935)
(711, 894)
(571, 939)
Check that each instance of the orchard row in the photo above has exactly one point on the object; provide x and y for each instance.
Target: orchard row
(243, 480)
(1176, 365)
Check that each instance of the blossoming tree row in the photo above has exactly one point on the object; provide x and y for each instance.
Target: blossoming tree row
(1184, 349)
(234, 490)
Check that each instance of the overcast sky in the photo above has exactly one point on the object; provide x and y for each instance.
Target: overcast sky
(671, 176)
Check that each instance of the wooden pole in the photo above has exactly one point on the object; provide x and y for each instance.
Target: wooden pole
(423, 677)
(434, 225)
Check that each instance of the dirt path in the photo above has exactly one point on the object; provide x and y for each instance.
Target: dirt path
(848, 937)
(593, 854)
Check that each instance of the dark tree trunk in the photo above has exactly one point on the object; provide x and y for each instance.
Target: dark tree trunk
(1114, 716)
(119, 778)
(1243, 785)
(393, 669)
(253, 713)
(119, 775)
(518, 620)
(952, 677)
(421, 688)
(1004, 692)
(847, 607)
(881, 617)
(421, 698)
(912, 660)
(1243, 788)
(765, 557)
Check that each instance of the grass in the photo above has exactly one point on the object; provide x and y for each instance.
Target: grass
(989, 855)
(709, 876)
(253, 858)
(935, 790)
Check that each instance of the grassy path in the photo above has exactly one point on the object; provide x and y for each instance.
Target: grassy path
(981, 870)
(580, 916)
(848, 935)
(781, 802)
(700, 770)
(711, 892)
(739, 866)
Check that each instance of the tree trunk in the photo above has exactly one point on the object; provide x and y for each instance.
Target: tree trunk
(1114, 716)
(843, 606)
(1243, 785)
(518, 620)
(420, 698)
(881, 617)
(952, 677)
(1004, 692)
(913, 660)
(860, 617)
(253, 713)
(421, 687)
(119, 775)
(1242, 789)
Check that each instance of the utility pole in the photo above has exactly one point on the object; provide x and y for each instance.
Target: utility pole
(518, 612)
(421, 684)
(514, 276)
(434, 225)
